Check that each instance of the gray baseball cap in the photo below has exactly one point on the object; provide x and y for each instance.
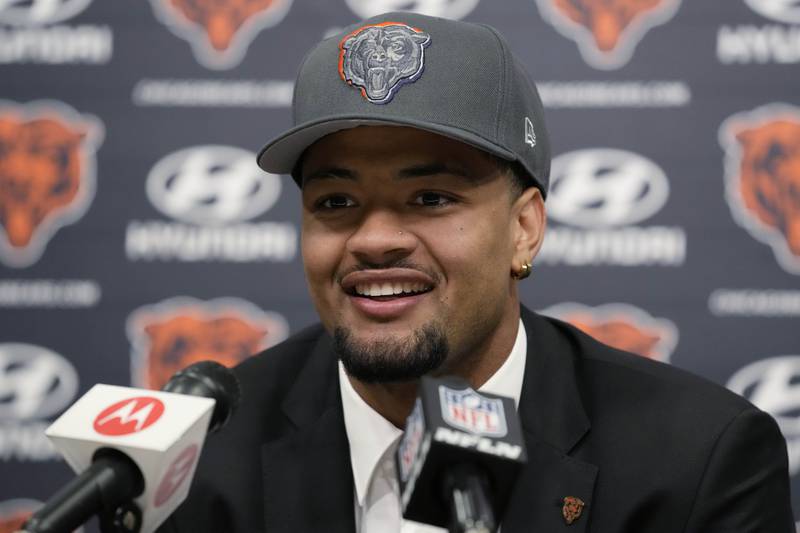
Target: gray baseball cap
(453, 78)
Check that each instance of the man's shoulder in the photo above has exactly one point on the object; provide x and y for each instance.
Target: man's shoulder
(611, 378)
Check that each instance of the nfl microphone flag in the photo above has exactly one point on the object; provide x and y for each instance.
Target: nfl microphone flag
(454, 433)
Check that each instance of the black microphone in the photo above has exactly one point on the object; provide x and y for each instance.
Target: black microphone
(115, 475)
(459, 457)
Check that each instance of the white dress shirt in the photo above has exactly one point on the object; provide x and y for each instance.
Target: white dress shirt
(373, 441)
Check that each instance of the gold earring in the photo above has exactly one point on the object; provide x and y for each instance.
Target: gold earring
(524, 271)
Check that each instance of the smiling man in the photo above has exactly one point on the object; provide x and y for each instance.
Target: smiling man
(423, 159)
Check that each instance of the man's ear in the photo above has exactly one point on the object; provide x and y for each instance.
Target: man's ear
(529, 220)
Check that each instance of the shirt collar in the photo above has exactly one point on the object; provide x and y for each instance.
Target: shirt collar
(370, 435)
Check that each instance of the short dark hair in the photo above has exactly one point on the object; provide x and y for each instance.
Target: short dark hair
(519, 177)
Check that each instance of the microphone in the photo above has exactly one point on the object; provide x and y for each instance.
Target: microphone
(459, 457)
(135, 449)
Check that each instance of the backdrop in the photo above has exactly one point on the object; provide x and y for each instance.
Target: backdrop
(137, 234)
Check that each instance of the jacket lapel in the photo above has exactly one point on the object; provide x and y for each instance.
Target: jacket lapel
(308, 481)
(553, 421)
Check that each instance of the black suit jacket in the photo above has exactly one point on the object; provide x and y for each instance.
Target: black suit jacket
(647, 447)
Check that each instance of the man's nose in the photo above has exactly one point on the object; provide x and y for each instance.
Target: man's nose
(380, 238)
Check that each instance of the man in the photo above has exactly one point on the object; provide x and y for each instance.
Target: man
(423, 160)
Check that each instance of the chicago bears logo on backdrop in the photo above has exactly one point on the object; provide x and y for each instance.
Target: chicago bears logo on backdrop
(607, 31)
(622, 326)
(180, 331)
(39, 12)
(381, 58)
(762, 177)
(451, 9)
(14, 513)
(220, 31)
(47, 175)
(787, 11)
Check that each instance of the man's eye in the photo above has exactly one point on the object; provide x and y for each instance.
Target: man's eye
(432, 199)
(335, 202)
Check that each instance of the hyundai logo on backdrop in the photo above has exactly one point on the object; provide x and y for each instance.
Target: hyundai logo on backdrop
(36, 384)
(451, 9)
(773, 385)
(758, 43)
(211, 192)
(31, 36)
(600, 195)
(211, 186)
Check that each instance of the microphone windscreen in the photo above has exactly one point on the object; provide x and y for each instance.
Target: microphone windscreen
(209, 379)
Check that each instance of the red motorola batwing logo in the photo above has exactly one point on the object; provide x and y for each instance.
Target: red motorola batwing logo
(129, 416)
(176, 474)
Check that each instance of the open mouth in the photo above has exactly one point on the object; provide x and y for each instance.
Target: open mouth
(389, 291)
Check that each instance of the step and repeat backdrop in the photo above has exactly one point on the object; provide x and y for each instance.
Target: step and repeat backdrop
(137, 234)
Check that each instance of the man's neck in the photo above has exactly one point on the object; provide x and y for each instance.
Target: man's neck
(394, 401)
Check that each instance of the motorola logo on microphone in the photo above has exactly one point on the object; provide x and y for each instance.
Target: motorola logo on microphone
(601, 195)
(176, 474)
(129, 416)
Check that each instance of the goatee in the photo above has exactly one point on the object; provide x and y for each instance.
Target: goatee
(392, 360)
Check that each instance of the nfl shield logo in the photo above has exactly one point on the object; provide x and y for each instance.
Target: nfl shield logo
(471, 412)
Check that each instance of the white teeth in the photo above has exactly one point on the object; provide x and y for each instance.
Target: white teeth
(389, 289)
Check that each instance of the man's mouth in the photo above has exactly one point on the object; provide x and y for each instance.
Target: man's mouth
(389, 290)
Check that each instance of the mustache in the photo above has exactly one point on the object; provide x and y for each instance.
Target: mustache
(395, 263)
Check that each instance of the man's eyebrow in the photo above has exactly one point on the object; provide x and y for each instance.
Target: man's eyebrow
(330, 173)
(414, 171)
(432, 169)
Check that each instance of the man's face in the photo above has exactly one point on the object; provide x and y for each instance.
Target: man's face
(407, 240)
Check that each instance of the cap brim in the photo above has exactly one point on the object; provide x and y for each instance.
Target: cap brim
(280, 155)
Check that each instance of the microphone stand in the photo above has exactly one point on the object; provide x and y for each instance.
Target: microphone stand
(465, 490)
(110, 484)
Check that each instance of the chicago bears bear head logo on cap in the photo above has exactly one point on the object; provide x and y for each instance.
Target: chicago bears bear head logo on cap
(380, 58)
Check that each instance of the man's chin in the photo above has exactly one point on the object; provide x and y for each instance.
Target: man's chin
(391, 358)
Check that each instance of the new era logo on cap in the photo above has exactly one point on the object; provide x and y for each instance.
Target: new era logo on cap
(530, 135)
